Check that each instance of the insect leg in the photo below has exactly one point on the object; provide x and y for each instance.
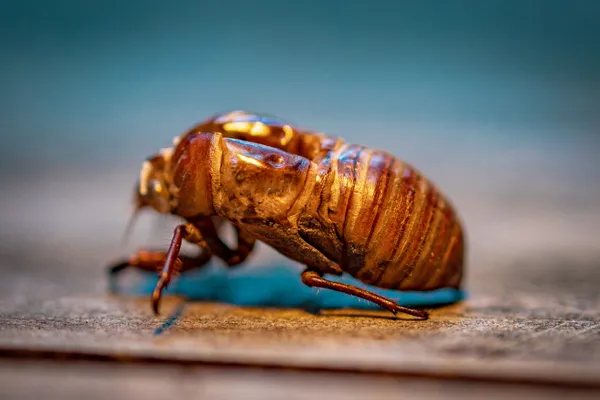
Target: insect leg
(173, 262)
(245, 242)
(315, 279)
(154, 260)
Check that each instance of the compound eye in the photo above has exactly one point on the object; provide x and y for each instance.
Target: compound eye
(158, 196)
(155, 187)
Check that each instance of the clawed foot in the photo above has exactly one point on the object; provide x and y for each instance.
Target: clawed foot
(162, 284)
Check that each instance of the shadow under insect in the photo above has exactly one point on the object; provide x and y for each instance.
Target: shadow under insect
(278, 285)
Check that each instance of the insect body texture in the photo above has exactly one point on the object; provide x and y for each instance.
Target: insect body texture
(352, 210)
(383, 222)
(373, 215)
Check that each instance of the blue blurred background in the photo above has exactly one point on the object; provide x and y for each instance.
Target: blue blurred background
(100, 81)
(497, 101)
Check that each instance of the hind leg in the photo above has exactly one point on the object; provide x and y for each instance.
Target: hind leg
(295, 247)
(314, 278)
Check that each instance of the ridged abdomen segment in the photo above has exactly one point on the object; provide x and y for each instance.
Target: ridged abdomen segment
(398, 231)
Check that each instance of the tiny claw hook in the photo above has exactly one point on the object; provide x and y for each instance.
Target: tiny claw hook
(418, 313)
(157, 293)
(424, 315)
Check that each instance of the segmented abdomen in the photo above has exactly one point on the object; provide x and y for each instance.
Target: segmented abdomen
(397, 230)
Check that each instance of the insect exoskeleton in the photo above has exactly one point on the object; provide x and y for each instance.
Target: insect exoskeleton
(263, 129)
(355, 210)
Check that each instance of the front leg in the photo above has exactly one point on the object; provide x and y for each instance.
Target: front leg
(173, 262)
(211, 244)
(154, 261)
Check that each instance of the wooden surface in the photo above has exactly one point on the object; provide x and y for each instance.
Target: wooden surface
(92, 380)
(531, 324)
